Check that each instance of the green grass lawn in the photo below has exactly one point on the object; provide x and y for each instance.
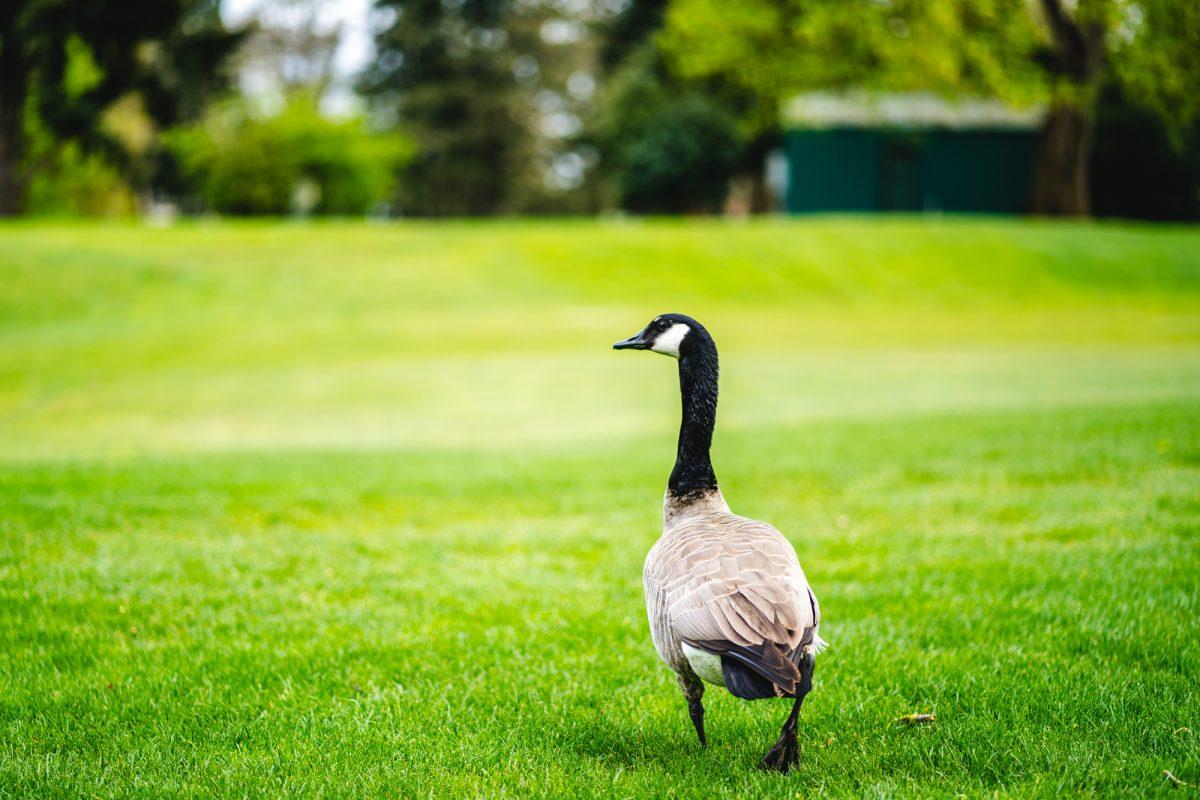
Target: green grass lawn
(352, 510)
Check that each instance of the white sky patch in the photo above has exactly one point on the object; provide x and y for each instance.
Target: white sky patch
(581, 85)
(560, 124)
(566, 171)
(561, 31)
(355, 51)
(525, 68)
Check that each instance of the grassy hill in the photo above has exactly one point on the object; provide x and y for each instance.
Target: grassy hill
(360, 510)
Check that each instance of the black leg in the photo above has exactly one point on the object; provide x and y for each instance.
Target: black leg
(696, 709)
(786, 752)
(693, 690)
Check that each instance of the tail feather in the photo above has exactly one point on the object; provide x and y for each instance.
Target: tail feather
(768, 660)
(743, 682)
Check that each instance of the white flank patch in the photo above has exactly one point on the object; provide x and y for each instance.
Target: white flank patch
(668, 342)
(705, 664)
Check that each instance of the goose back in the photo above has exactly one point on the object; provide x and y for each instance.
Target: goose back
(727, 584)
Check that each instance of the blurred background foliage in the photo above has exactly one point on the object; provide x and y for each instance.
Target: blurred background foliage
(483, 107)
(69, 68)
(293, 160)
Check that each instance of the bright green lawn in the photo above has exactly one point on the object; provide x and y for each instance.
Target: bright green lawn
(354, 510)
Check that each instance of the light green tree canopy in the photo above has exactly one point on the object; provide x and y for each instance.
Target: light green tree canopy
(1000, 48)
(1155, 53)
(773, 48)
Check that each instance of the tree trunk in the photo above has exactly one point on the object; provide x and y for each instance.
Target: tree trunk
(755, 162)
(1061, 177)
(1060, 184)
(12, 132)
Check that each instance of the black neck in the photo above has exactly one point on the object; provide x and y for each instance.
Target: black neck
(693, 475)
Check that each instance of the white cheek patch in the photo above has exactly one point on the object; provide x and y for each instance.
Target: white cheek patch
(668, 342)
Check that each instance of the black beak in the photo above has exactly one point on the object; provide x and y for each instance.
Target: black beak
(635, 342)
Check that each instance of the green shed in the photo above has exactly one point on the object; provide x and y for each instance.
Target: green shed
(907, 152)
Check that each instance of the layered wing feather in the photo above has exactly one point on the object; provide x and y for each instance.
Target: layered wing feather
(732, 586)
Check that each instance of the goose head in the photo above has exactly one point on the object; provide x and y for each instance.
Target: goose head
(669, 334)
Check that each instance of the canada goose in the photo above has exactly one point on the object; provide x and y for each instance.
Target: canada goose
(727, 600)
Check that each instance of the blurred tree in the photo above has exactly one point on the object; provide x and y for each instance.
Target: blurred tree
(446, 68)
(293, 161)
(1146, 49)
(555, 68)
(752, 54)
(629, 30)
(668, 147)
(77, 183)
(64, 62)
(1139, 166)
(1156, 59)
(770, 49)
(495, 93)
(1052, 51)
(290, 50)
(1074, 61)
(668, 144)
(680, 159)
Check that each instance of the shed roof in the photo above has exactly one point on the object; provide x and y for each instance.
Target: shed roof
(862, 109)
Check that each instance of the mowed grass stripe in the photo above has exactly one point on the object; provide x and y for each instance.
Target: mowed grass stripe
(234, 607)
(390, 543)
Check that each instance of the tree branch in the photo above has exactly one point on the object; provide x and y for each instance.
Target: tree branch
(1069, 38)
(1078, 43)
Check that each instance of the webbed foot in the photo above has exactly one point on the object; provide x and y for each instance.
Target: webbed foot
(784, 755)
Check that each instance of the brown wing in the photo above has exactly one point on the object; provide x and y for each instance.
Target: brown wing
(734, 586)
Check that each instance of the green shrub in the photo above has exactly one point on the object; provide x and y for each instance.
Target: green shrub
(668, 148)
(235, 162)
(77, 183)
(680, 161)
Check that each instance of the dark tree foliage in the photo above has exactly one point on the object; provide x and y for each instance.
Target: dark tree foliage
(447, 70)
(1074, 60)
(185, 72)
(678, 159)
(1057, 52)
(642, 79)
(654, 130)
(1137, 170)
(629, 30)
(171, 50)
